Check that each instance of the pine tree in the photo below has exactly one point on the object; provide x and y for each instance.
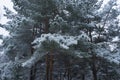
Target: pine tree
(46, 34)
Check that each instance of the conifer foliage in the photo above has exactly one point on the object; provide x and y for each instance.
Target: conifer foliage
(62, 40)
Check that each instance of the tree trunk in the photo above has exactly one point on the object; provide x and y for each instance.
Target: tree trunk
(60, 78)
(33, 68)
(33, 72)
(67, 66)
(83, 76)
(68, 73)
(51, 66)
(47, 67)
(94, 70)
(46, 28)
(106, 71)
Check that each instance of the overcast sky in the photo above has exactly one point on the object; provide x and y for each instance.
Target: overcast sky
(9, 5)
(3, 19)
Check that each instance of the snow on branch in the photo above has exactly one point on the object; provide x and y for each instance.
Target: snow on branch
(36, 57)
(62, 40)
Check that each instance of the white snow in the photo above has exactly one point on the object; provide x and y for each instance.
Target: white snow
(63, 41)
(1, 41)
(112, 46)
(36, 57)
(4, 32)
(115, 39)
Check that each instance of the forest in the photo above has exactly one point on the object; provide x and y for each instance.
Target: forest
(61, 40)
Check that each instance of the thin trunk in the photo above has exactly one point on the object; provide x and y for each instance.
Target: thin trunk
(68, 73)
(67, 64)
(94, 74)
(106, 71)
(64, 76)
(83, 76)
(94, 70)
(90, 35)
(60, 76)
(46, 28)
(33, 72)
(51, 66)
(47, 67)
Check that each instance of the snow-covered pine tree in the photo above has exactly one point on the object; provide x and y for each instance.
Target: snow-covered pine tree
(42, 14)
(46, 33)
(17, 46)
(58, 25)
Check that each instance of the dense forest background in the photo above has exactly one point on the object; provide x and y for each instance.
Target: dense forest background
(61, 40)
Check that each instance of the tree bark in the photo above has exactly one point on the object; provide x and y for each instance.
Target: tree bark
(46, 27)
(51, 66)
(33, 68)
(94, 70)
(83, 76)
(60, 78)
(68, 73)
(47, 67)
(33, 72)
